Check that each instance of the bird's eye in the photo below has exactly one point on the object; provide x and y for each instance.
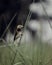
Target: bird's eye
(19, 29)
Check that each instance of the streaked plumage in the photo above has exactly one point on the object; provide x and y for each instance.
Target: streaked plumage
(18, 32)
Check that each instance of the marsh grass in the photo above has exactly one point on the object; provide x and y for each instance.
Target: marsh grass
(26, 54)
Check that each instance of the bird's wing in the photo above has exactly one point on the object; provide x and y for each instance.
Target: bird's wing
(15, 35)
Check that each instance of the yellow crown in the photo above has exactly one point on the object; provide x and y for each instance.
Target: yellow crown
(19, 26)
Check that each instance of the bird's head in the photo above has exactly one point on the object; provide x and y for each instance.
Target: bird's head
(20, 27)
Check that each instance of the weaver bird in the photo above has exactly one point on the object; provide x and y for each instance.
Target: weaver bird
(18, 32)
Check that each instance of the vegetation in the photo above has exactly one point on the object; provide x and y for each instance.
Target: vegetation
(26, 54)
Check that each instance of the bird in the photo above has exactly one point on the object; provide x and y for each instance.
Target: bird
(18, 32)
